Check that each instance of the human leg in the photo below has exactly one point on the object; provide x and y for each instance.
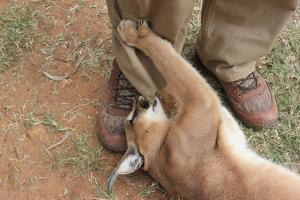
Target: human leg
(169, 19)
(234, 34)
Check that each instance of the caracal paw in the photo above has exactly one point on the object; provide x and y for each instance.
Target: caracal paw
(132, 32)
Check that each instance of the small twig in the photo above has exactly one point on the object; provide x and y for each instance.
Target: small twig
(58, 143)
(13, 114)
(6, 128)
(60, 78)
(76, 107)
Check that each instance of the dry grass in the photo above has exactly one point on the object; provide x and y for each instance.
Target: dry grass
(16, 34)
(25, 25)
(84, 159)
(102, 192)
(92, 52)
(48, 119)
(149, 190)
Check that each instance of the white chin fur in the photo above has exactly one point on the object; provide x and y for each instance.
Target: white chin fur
(157, 113)
(130, 115)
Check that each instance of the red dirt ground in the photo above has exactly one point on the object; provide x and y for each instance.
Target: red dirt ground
(25, 168)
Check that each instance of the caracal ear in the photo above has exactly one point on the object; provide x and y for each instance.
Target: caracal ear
(131, 161)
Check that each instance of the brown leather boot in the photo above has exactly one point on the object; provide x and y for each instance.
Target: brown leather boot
(252, 101)
(118, 101)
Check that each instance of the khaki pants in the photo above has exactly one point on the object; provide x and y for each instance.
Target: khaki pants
(233, 35)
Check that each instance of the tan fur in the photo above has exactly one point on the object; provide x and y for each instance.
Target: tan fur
(202, 153)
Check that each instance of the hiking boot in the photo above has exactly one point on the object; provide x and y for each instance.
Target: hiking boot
(118, 101)
(252, 101)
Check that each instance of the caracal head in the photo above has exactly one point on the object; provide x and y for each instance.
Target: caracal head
(141, 127)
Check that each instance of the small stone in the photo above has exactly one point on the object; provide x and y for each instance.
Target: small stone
(66, 82)
(38, 134)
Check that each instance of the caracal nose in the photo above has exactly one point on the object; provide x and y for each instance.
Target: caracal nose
(143, 102)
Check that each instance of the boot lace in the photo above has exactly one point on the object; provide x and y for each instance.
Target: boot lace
(125, 94)
(247, 84)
